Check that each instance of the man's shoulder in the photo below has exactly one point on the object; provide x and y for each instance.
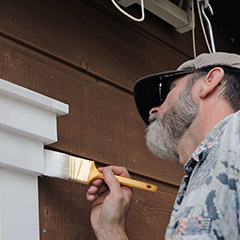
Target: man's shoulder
(228, 127)
(228, 151)
(231, 130)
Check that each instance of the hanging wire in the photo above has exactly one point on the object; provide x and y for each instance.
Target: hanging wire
(193, 31)
(130, 16)
(209, 25)
(201, 12)
(203, 28)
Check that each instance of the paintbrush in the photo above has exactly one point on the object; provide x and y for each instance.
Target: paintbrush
(81, 170)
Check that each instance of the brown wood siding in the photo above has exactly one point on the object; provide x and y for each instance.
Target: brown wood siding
(88, 55)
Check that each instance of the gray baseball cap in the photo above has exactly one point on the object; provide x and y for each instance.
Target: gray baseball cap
(151, 91)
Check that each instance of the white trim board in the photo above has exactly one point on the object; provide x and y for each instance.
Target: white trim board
(28, 121)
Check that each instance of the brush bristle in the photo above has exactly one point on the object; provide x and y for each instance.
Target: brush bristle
(79, 169)
(56, 164)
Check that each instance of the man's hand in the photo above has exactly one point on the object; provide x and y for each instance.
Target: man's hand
(110, 204)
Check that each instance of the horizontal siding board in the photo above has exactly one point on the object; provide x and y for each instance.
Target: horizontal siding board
(88, 55)
(164, 32)
(87, 38)
(65, 212)
(87, 35)
(94, 40)
(103, 123)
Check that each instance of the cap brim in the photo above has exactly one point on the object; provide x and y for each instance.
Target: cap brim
(146, 90)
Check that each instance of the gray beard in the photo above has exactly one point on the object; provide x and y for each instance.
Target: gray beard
(163, 135)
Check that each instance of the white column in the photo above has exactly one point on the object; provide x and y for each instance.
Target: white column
(28, 121)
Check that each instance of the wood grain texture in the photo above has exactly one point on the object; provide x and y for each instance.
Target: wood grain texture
(94, 36)
(87, 38)
(163, 31)
(88, 55)
(103, 123)
(65, 212)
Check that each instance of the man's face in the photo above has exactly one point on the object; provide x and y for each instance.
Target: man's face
(168, 126)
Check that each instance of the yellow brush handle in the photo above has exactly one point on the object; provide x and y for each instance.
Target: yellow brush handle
(94, 174)
(136, 184)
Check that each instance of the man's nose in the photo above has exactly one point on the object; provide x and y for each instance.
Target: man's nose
(154, 110)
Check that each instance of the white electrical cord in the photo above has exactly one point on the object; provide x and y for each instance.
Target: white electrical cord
(130, 16)
(203, 28)
(206, 3)
(193, 31)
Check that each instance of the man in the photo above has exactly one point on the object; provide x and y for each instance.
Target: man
(192, 117)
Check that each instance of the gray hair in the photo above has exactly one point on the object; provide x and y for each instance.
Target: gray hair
(231, 88)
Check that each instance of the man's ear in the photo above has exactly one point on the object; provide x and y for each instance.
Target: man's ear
(211, 81)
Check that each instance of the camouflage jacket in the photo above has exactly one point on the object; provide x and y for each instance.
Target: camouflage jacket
(207, 204)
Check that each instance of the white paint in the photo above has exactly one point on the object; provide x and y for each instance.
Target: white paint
(25, 95)
(18, 206)
(21, 115)
(28, 120)
(21, 154)
(27, 123)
